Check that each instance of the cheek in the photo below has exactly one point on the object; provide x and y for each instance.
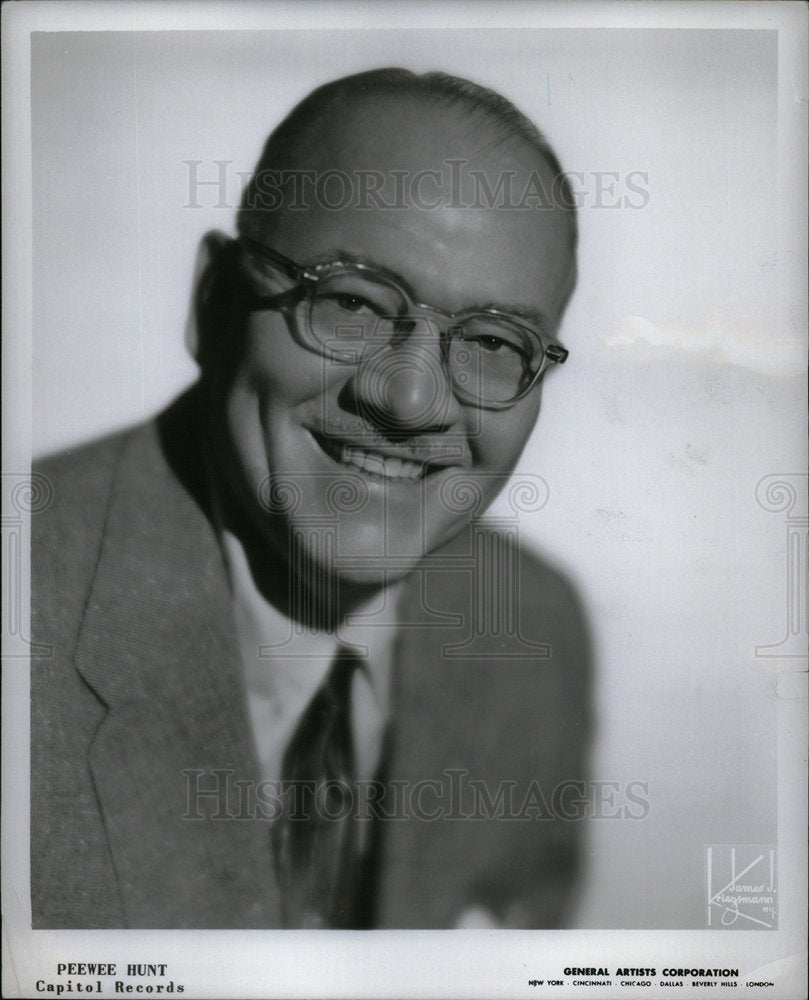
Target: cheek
(276, 369)
(271, 376)
(497, 437)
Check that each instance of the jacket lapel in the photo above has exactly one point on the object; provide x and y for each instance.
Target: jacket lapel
(157, 646)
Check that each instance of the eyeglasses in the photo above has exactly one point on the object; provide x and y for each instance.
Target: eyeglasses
(349, 312)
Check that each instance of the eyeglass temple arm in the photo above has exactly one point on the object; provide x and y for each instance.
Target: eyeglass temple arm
(289, 267)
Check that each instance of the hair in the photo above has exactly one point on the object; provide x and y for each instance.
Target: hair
(438, 89)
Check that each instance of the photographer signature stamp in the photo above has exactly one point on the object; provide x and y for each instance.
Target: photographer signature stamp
(742, 886)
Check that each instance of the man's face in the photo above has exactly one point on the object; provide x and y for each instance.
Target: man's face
(362, 464)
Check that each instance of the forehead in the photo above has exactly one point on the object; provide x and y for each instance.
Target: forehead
(451, 204)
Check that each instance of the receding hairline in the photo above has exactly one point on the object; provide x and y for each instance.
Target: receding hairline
(487, 112)
(440, 90)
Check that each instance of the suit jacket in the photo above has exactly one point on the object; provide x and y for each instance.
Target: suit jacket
(141, 688)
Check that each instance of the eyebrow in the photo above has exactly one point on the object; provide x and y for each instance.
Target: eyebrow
(338, 255)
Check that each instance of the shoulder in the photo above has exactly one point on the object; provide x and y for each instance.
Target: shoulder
(74, 491)
(493, 619)
(75, 487)
(75, 483)
(124, 497)
(507, 579)
(78, 486)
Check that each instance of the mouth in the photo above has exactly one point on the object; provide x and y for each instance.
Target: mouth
(376, 464)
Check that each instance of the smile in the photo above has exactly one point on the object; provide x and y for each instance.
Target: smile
(372, 463)
(388, 468)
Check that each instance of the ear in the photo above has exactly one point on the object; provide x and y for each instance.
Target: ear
(210, 253)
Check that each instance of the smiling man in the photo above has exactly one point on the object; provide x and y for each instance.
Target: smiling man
(295, 682)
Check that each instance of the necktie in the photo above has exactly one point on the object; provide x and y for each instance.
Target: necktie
(315, 839)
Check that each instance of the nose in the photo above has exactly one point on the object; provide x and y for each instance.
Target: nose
(407, 388)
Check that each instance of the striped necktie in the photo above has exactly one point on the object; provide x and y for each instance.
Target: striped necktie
(315, 839)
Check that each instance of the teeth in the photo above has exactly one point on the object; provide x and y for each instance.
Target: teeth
(389, 468)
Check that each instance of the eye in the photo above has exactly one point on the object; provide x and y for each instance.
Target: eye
(489, 343)
(496, 340)
(348, 293)
(492, 344)
(352, 303)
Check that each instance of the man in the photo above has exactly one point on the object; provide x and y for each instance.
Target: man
(293, 682)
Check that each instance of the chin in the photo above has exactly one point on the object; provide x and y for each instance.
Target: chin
(370, 559)
(356, 566)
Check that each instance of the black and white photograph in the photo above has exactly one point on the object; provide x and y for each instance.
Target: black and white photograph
(405, 499)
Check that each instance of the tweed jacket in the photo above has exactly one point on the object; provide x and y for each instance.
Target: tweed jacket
(140, 694)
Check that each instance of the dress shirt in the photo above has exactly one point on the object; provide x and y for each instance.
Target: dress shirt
(285, 663)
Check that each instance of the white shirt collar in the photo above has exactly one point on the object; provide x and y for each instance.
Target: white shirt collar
(285, 663)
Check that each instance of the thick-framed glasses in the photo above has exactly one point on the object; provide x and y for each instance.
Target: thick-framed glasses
(349, 312)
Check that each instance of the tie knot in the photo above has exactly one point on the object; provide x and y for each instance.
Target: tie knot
(346, 662)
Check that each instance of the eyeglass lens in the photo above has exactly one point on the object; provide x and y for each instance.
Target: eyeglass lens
(353, 315)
